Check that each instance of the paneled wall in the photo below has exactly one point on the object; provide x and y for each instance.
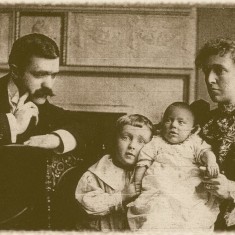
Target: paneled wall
(114, 59)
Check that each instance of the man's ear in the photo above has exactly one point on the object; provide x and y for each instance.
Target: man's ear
(196, 129)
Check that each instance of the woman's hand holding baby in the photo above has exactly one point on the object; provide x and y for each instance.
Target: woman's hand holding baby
(219, 186)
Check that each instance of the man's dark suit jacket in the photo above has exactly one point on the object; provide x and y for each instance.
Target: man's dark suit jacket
(23, 177)
(51, 118)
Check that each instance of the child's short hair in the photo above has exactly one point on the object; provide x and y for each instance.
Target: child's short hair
(182, 105)
(136, 120)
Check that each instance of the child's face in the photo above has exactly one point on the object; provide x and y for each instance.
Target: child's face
(130, 140)
(177, 125)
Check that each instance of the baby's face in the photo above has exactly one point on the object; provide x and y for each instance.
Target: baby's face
(177, 125)
(130, 141)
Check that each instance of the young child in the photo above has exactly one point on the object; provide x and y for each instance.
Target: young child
(173, 196)
(106, 188)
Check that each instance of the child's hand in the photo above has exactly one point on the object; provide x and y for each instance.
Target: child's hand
(129, 193)
(212, 170)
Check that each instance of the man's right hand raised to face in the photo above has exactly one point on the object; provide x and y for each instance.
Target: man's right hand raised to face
(24, 112)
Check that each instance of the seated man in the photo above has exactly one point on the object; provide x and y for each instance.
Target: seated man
(26, 116)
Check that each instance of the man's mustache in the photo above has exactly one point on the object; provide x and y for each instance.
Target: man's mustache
(44, 91)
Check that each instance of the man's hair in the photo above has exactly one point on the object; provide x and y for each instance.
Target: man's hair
(32, 45)
(219, 46)
(181, 105)
(136, 120)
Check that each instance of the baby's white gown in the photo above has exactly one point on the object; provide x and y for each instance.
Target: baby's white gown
(172, 196)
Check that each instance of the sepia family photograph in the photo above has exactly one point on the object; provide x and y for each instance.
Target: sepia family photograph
(117, 116)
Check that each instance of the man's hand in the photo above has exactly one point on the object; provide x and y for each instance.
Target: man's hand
(49, 141)
(24, 112)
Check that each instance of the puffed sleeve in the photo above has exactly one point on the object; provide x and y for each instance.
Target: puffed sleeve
(94, 199)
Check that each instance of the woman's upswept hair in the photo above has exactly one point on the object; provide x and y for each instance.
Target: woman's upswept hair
(219, 46)
(136, 120)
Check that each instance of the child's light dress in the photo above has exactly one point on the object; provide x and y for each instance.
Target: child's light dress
(99, 193)
(172, 196)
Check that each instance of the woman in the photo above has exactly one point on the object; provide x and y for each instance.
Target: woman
(217, 60)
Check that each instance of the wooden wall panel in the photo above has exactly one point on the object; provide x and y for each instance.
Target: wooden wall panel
(136, 40)
(115, 59)
(148, 95)
(5, 36)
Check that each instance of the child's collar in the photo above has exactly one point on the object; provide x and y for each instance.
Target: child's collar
(109, 173)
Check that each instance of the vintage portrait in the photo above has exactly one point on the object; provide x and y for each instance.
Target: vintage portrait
(117, 116)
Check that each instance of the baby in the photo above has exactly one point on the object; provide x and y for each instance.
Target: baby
(172, 196)
(105, 189)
